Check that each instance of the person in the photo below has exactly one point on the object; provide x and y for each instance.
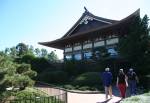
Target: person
(107, 81)
(122, 83)
(132, 80)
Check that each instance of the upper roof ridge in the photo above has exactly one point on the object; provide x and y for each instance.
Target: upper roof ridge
(85, 9)
(86, 16)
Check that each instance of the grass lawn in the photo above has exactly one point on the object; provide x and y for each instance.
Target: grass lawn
(143, 98)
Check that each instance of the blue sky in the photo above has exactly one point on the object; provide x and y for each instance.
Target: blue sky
(33, 21)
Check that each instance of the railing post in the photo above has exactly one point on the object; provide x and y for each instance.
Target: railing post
(30, 98)
(66, 96)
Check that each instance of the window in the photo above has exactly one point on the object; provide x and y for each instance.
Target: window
(97, 54)
(77, 56)
(87, 55)
(76, 44)
(112, 51)
(98, 38)
(68, 57)
(112, 41)
(85, 46)
(68, 49)
(87, 41)
(67, 46)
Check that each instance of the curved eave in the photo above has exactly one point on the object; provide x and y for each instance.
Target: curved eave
(59, 43)
(54, 44)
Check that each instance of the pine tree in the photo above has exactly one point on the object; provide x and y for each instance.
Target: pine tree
(135, 46)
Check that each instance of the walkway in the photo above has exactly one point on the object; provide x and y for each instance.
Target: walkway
(95, 98)
(82, 97)
(90, 98)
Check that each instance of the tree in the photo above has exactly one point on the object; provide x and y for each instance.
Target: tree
(37, 51)
(14, 75)
(7, 50)
(13, 52)
(52, 57)
(135, 46)
(30, 50)
(22, 49)
(43, 52)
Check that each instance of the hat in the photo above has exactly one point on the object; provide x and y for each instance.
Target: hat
(131, 69)
(121, 70)
(107, 69)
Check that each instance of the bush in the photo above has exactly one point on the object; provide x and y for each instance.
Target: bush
(53, 77)
(88, 79)
(144, 98)
(40, 64)
(145, 81)
(70, 87)
(84, 88)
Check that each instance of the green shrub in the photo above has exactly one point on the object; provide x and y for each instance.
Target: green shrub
(88, 79)
(70, 87)
(144, 98)
(34, 96)
(53, 77)
(145, 81)
(83, 88)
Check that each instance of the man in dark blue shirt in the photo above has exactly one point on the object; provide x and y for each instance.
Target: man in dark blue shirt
(107, 81)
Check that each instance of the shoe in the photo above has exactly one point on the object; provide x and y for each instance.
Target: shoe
(111, 97)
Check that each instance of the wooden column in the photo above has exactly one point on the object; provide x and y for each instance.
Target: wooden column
(73, 52)
(82, 53)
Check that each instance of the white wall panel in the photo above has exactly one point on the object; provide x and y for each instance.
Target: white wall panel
(68, 49)
(100, 43)
(85, 46)
(112, 41)
(77, 48)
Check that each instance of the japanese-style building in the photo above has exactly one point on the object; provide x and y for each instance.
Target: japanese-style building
(89, 34)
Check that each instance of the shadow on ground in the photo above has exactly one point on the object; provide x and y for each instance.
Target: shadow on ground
(105, 101)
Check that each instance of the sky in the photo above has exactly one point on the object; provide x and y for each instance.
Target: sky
(33, 21)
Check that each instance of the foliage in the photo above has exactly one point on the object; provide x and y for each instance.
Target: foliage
(13, 52)
(30, 95)
(39, 60)
(43, 52)
(52, 57)
(53, 77)
(37, 52)
(144, 98)
(39, 64)
(70, 68)
(145, 81)
(28, 92)
(69, 87)
(74, 68)
(14, 75)
(135, 46)
(27, 59)
(21, 49)
(88, 79)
